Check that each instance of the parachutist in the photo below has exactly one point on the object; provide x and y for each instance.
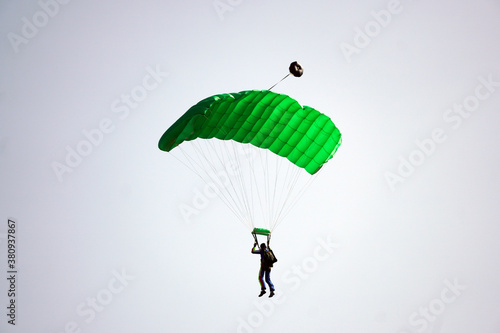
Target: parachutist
(267, 259)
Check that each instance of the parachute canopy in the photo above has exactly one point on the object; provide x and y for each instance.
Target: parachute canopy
(265, 119)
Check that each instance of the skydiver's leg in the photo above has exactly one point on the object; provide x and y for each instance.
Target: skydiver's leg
(268, 280)
(261, 279)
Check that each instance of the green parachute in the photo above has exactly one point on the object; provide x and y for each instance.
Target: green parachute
(239, 142)
(264, 119)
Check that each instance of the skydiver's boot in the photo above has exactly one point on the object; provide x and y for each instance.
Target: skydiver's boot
(262, 292)
(272, 293)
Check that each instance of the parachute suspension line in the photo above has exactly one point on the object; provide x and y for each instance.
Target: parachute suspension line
(274, 85)
(242, 200)
(275, 205)
(276, 198)
(264, 162)
(193, 164)
(245, 201)
(293, 180)
(246, 178)
(270, 189)
(188, 160)
(201, 172)
(234, 180)
(205, 177)
(242, 183)
(230, 199)
(191, 160)
(269, 198)
(285, 188)
(249, 163)
(267, 167)
(300, 194)
(226, 196)
(260, 171)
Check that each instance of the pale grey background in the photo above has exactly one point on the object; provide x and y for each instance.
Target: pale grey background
(118, 210)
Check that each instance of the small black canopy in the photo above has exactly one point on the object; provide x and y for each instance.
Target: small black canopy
(296, 69)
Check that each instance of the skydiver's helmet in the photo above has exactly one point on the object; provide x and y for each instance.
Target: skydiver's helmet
(263, 246)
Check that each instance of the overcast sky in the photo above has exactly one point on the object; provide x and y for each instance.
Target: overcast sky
(398, 234)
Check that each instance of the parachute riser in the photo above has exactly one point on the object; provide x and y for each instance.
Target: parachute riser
(255, 237)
